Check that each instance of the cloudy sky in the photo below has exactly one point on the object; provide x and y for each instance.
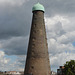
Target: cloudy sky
(15, 23)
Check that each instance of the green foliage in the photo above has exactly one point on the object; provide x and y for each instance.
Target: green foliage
(69, 68)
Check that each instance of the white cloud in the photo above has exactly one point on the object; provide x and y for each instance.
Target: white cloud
(55, 26)
(3, 60)
(7, 64)
(55, 47)
(59, 39)
(69, 37)
(60, 35)
(19, 64)
(1, 54)
(60, 59)
(56, 19)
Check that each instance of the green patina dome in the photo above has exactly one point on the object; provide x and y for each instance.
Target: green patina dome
(38, 6)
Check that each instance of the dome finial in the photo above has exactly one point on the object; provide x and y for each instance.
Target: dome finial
(38, 6)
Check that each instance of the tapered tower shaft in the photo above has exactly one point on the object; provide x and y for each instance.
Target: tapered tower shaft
(37, 61)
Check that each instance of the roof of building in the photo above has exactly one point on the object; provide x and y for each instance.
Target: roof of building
(38, 6)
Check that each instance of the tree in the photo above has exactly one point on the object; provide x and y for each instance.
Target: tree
(69, 68)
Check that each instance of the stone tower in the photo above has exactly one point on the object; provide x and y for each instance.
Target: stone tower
(37, 61)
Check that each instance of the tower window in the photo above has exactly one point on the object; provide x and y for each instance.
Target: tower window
(32, 67)
(34, 25)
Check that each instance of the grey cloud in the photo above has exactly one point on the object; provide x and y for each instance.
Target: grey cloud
(14, 21)
(15, 46)
(55, 31)
(67, 38)
(64, 7)
(58, 29)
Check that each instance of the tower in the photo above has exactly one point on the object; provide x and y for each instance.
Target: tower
(37, 61)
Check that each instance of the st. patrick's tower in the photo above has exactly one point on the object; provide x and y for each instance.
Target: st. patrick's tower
(37, 61)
